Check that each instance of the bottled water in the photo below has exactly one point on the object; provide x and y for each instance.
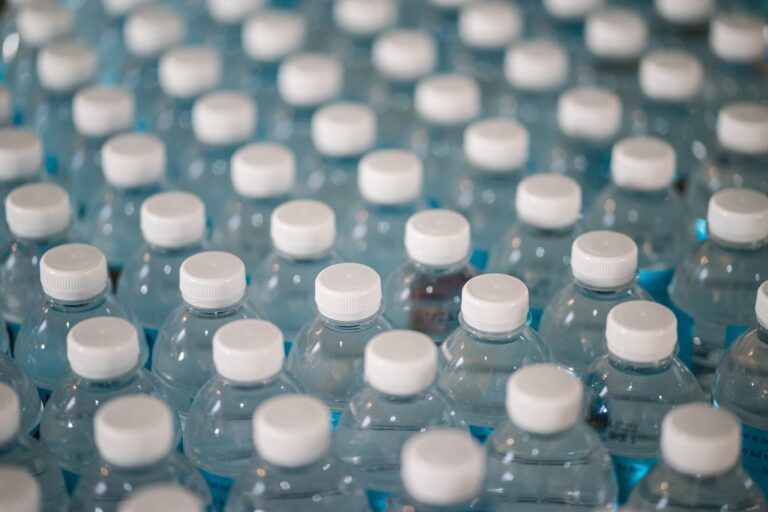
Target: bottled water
(162, 498)
(293, 469)
(545, 454)
(700, 470)
(424, 293)
(630, 389)
(604, 268)
(21, 154)
(29, 400)
(492, 343)
(19, 491)
(223, 30)
(683, 24)
(565, 21)
(248, 356)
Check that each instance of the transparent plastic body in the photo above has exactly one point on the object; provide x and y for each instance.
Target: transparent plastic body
(140, 75)
(537, 111)
(82, 176)
(586, 162)
(29, 399)
(21, 76)
(172, 121)
(292, 126)
(332, 181)
(615, 74)
(50, 116)
(259, 80)
(26, 452)
(404, 503)
(440, 150)
(393, 103)
(205, 172)
(727, 82)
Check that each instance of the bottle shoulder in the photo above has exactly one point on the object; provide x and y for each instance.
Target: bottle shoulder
(464, 345)
(579, 443)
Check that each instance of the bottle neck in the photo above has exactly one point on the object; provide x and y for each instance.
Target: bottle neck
(119, 381)
(78, 305)
(176, 251)
(350, 326)
(605, 292)
(743, 246)
(633, 366)
(499, 337)
(441, 269)
(217, 312)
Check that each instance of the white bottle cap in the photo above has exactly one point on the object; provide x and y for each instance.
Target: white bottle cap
(172, 220)
(496, 144)
(364, 18)
(103, 348)
(344, 129)
(685, 12)
(73, 272)
(101, 111)
(133, 160)
(263, 169)
(152, 30)
(162, 498)
(189, 71)
(6, 106)
(41, 23)
(65, 66)
(232, 12)
(761, 305)
(737, 37)
(248, 351)
(292, 430)
(442, 467)
(224, 118)
(591, 113)
(604, 259)
(641, 331)
(212, 280)
(10, 413)
(743, 127)
(133, 430)
(699, 440)
(643, 163)
(536, 65)
(400, 362)
(303, 228)
(119, 8)
(548, 201)
(19, 491)
(272, 34)
(37, 211)
(738, 215)
(489, 24)
(544, 399)
(348, 292)
(494, 303)
(616, 34)
(437, 237)
(21, 154)
(671, 75)
(309, 79)
(447, 99)
(403, 55)
(571, 9)
(390, 176)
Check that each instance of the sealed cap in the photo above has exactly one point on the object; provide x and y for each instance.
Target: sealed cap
(248, 351)
(400, 362)
(162, 498)
(390, 176)
(489, 24)
(442, 467)
(37, 211)
(494, 303)
(685, 12)
(496, 144)
(103, 348)
(272, 34)
(761, 305)
(437, 237)
(10, 413)
(303, 228)
(643, 163)
(118, 8)
(133, 430)
(292, 430)
(344, 129)
(172, 220)
(536, 65)
(133, 160)
(101, 111)
(404, 55)
(43, 22)
(189, 71)
(743, 127)
(671, 75)
(73, 272)
(447, 99)
(223, 118)
(309, 79)
(544, 399)
(263, 169)
(19, 490)
(604, 259)
(641, 331)
(591, 113)
(548, 201)
(152, 30)
(212, 280)
(21, 154)
(738, 215)
(699, 440)
(348, 292)
(231, 12)
(65, 66)
(364, 18)
(571, 9)
(616, 34)
(737, 37)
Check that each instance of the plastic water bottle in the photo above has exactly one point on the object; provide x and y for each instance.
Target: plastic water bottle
(424, 292)
(640, 368)
(19, 491)
(105, 34)
(566, 19)
(400, 399)
(248, 356)
(135, 438)
(537, 247)
(29, 400)
(293, 469)
(682, 24)
(162, 498)
(604, 268)
(223, 30)
(700, 469)
(713, 290)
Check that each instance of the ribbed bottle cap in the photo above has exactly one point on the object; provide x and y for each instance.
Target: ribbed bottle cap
(348, 292)
(548, 201)
(738, 215)
(496, 144)
(65, 66)
(292, 430)
(10, 413)
(73, 272)
(761, 305)
(494, 303)
(489, 24)
(21, 154)
(616, 34)
(152, 30)
(43, 22)
(571, 9)
(591, 113)
(364, 18)
(737, 37)
(743, 127)
(263, 169)
(685, 12)
(162, 498)
(248, 351)
(19, 490)
(101, 111)
(6, 106)
(643, 163)
(309, 79)
(212, 280)
(699, 440)
(447, 99)
(443, 467)
(400, 362)
(189, 71)
(271, 35)
(390, 176)
(119, 8)
(404, 55)
(344, 129)
(544, 399)
(536, 65)
(223, 118)
(604, 259)
(232, 12)
(37, 211)
(132, 160)
(671, 75)
(173, 219)
(303, 228)
(641, 331)
(103, 348)
(133, 430)
(437, 237)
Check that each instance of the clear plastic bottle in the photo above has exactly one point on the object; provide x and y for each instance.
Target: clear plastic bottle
(293, 469)
(21, 153)
(631, 389)
(19, 490)
(162, 498)
(545, 455)
(29, 399)
(222, 29)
